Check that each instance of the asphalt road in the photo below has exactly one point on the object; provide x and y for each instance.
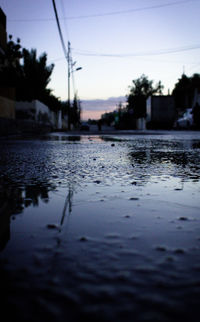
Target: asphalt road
(100, 227)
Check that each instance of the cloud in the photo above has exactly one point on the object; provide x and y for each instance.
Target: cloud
(108, 105)
(95, 108)
(93, 115)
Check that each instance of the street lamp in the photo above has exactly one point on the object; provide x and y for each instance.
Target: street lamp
(79, 68)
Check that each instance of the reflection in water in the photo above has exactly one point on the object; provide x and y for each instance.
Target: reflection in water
(13, 201)
(33, 168)
(171, 158)
(72, 138)
(67, 205)
(133, 239)
(60, 137)
(34, 193)
(10, 202)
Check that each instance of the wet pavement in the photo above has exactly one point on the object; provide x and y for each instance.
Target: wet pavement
(100, 228)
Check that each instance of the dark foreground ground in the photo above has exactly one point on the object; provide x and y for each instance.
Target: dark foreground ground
(100, 228)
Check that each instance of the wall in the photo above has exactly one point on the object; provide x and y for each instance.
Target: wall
(65, 122)
(148, 109)
(25, 111)
(38, 112)
(56, 119)
(7, 108)
(35, 111)
(141, 124)
(41, 110)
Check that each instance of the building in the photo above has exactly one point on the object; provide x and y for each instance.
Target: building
(7, 94)
(196, 99)
(161, 112)
(3, 34)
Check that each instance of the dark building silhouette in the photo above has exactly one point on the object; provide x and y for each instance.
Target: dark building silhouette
(3, 34)
(7, 93)
(161, 112)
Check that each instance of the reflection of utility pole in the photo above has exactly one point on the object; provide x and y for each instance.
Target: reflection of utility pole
(69, 66)
(68, 202)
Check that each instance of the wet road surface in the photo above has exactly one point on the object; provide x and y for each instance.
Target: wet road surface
(100, 228)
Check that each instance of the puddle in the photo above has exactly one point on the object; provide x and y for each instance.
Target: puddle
(91, 230)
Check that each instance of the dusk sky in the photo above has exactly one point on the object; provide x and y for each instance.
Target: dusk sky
(114, 41)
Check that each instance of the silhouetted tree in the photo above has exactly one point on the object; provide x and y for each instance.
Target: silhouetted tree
(141, 89)
(76, 112)
(108, 118)
(195, 81)
(51, 101)
(30, 78)
(10, 68)
(36, 76)
(184, 91)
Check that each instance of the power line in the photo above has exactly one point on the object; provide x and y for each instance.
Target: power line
(145, 53)
(71, 64)
(112, 13)
(83, 52)
(60, 59)
(65, 20)
(67, 56)
(130, 10)
(60, 32)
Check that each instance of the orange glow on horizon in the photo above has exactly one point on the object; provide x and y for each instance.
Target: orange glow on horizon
(93, 115)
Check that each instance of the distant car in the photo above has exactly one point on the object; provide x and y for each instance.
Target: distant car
(84, 126)
(186, 121)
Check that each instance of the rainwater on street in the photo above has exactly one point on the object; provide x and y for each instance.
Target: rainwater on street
(100, 228)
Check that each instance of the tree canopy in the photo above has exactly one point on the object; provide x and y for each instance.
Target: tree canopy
(142, 86)
(10, 68)
(184, 91)
(35, 76)
(141, 89)
(27, 73)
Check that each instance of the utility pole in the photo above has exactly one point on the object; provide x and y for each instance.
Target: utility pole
(69, 70)
(67, 56)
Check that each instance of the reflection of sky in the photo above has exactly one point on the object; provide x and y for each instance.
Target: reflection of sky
(163, 168)
(175, 190)
(80, 160)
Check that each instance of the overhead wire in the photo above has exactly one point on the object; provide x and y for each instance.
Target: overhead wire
(65, 20)
(71, 61)
(129, 10)
(67, 53)
(140, 54)
(112, 13)
(137, 54)
(60, 31)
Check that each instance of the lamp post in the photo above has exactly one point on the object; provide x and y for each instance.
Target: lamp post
(70, 70)
(69, 65)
